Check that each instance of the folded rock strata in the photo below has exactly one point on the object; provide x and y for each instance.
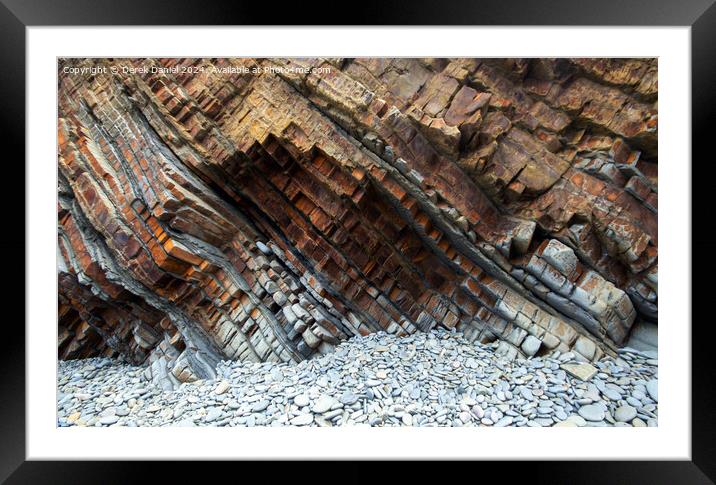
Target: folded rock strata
(266, 209)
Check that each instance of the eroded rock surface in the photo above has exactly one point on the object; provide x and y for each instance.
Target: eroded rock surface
(267, 209)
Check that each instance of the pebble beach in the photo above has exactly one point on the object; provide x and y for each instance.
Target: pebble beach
(426, 379)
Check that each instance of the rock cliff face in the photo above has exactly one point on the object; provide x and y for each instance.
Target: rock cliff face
(266, 209)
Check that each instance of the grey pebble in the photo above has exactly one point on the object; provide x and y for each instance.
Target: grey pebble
(625, 414)
(592, 412)
(423, 379)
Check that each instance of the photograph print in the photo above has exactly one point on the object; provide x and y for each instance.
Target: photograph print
(376, 242)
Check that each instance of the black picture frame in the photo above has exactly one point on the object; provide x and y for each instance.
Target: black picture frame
(700, 15)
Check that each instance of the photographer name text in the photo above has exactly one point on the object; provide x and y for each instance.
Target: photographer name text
(124, 69)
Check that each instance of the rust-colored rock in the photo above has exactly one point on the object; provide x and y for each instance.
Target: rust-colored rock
(266, 209)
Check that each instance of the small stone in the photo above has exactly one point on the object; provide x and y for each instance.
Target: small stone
(652, 387)
(638, 423)
(581, 371)
(107, 420)
(478, 411)
(592, 412)
(222, 387)
(624, 414)
(276, 374)
(301, 400)
(505, 421)
(213, 414)
(260, 406)
(348, 398)
(407, 419)
(323, 404)
(302, 419)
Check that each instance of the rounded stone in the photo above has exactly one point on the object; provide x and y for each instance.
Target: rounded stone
(526, 393)
(107, 420)
(260, 406)
(323, 404)
(504, 421)
(638, 423)
(302, 420)
(348, 398)
(592, 412)
(625, 413)
(652, 387)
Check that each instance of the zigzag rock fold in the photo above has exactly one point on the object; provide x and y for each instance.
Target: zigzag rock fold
(267, 209)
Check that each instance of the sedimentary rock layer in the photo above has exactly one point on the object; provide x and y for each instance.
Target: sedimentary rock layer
(266, 209)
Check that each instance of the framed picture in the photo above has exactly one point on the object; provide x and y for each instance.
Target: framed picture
(438, 242)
